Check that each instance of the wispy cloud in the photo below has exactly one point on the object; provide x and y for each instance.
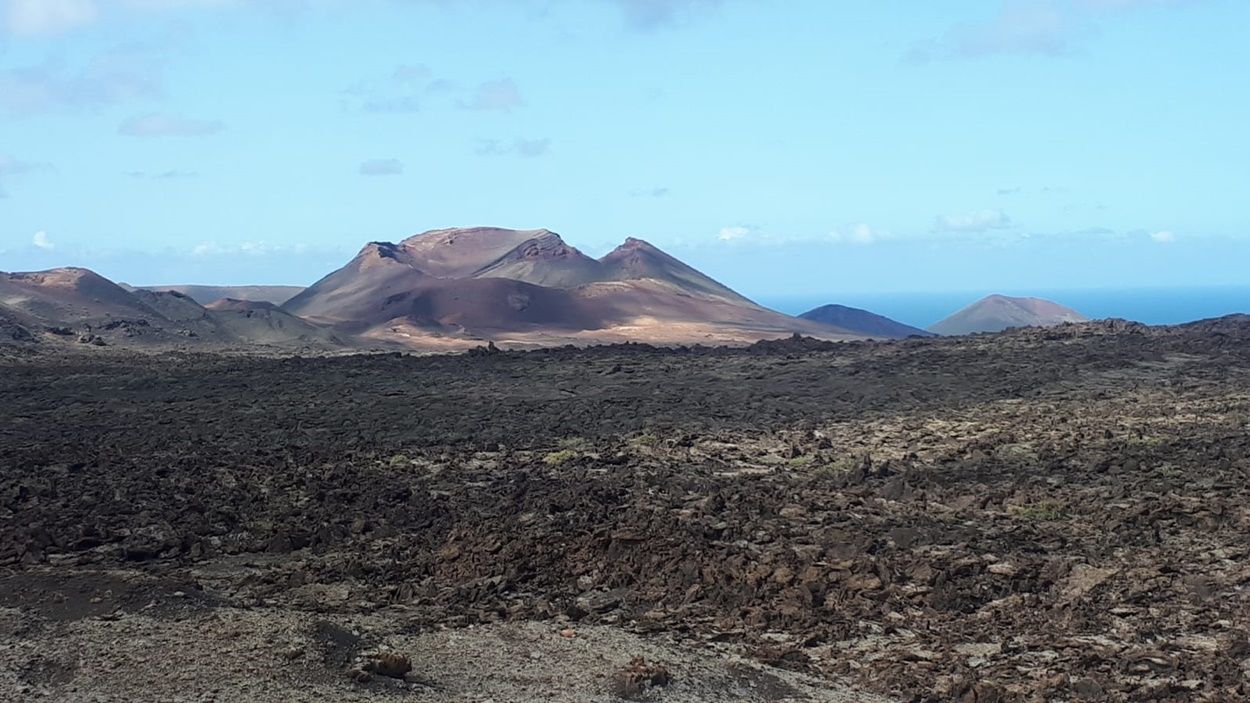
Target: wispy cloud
(500, 95)
(648, 15)
(10, 166)
(403, 91)
(42, 241)
(1018, 27)
(42, 17)
(859, 233)
(171, 175)
(169, 125)
(1163, 237)
(48, 16)
(657, 192)
(112, 77)
(734, 233)
(973, 222)
(1036, 27)
(381, 167)
(525, 148)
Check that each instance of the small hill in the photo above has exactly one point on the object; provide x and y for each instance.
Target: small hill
(996, 313)
(210, 294)
(863, 322)
(262, 322)
(69, 296)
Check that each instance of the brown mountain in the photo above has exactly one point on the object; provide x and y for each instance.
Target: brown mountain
(529, 286)
(68, 296)
(78, 304)
(863, 322)
(996, 313)
(262, 322)
(211, 294)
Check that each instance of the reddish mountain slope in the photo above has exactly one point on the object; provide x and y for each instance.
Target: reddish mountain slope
(996, 313)
(490, 282)
(67, 296)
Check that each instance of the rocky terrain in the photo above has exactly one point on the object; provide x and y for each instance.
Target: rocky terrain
(1042, 515)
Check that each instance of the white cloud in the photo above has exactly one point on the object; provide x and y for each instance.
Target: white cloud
(973, 222)
(733, 234)
(48, 16)
(42, 241)
(36, 17)
(166, 125)
(207, 249)
(857, 234)
(1163, 237)
(250, 248)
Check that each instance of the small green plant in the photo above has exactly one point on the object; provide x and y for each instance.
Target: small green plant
(841, 465)
(557, 458)
(803, 460)
(1043, 510)
(647, 439)
(397, 460)
(579, 444)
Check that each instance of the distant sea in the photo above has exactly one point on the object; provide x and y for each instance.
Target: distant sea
(1153, 306)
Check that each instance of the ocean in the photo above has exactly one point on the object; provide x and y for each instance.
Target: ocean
(1153, 306)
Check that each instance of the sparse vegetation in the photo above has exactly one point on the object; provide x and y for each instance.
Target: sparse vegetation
(577, 444)
(646, 439)
(1045, 510)
(396, 461)
(839, 466)
(559, 457)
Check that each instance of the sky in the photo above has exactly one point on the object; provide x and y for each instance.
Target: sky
(797, 148)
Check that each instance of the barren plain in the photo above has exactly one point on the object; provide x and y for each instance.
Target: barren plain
(1039, 515)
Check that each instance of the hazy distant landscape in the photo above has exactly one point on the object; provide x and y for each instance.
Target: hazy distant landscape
(1152, 306)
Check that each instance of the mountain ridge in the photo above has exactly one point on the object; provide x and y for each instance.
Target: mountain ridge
(490, 282)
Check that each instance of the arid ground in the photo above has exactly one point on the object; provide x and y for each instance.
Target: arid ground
(1058, 514)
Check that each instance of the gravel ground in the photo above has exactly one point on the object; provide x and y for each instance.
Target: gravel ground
(197, 654)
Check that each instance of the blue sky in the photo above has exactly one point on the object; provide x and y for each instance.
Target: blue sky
(797, 148)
